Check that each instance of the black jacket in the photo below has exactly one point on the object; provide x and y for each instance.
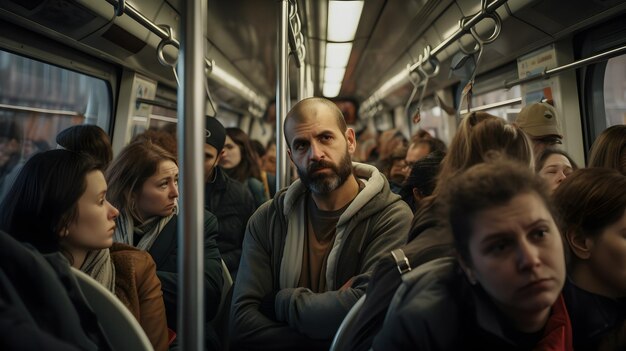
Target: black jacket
(41, 305)
(429, 240)
(164, 251)
(232, 204)
(597, 321)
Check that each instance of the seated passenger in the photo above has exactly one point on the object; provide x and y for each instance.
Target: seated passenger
(421, 147)
(89, 139)
(229, 200)
(307, 254)
(541, 122)
(240, 164)
(511, 254)
(422, 179)
(479, 135)
(609, 150)
(554, 166)
(58, 204)
(269, 159)
(143, 184)
(160, 137)
(592, 206)
(395, 169)
(268, 180)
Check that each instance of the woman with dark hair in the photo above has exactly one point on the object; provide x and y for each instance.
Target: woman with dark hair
(87, 138)
(422, 179)
(239, 162)
(58, 203)
(554, 165)
(143, 184)
(592, 206)
(511, 253)
(609, 150)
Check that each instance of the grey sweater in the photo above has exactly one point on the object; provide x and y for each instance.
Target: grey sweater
(376, 222)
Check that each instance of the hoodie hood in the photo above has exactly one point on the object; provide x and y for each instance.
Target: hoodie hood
(373, 198)
(375, 184)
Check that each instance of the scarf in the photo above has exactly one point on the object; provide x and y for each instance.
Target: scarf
(99, 266)
(125, 230)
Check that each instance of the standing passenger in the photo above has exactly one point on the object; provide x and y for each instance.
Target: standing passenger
(307, 253)
(143, 184)
(511, 253)
(229, 200)
(554, 166)
(592, 205)
(240, 164)
(478, 137)
(540, 122)
(609, 150)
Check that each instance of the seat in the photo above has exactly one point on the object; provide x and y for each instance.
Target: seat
(119, 325)
(220, 321)
(338, 340)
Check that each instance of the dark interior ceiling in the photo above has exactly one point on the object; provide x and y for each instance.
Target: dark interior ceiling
(242, 37)
(390, 35)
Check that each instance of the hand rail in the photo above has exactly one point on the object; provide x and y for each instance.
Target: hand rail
(547, 73)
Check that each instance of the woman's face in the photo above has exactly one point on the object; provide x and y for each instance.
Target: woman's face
(556, 168)
(607, 259)
(517, 257)
(94, 226)
(232, 154)
(159, 192)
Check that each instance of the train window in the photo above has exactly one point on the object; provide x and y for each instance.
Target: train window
(505, 103)
(37, 101)
(615, 91)
(431, 120)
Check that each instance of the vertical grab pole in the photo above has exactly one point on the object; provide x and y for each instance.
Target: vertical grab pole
(282, 85)
(302, 93)
(190, 109)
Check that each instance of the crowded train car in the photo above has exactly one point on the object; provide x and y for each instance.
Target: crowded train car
(312, 174)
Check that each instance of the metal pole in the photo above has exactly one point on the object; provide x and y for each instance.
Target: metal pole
(576, 64)
(143, 20)
(282, 85)
(302, 93)
(191, 104)
(461, 31)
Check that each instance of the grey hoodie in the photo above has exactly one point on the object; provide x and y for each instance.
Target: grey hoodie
(376, 222)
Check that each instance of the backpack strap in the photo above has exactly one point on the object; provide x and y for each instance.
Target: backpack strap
(402, 262)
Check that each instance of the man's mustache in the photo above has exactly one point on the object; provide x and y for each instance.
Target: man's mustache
(321, 164)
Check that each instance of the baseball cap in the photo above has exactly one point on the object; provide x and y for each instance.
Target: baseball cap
(214, 133)
(539, 120)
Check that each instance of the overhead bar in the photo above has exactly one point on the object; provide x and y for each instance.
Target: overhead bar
(137, 16)
(466, 27)
(39, 110)
(576, 64)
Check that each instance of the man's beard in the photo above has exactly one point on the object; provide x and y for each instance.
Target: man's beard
(322, 183)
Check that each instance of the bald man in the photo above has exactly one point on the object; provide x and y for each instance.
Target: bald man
(308, 253)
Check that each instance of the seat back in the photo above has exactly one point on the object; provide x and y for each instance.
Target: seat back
(338, 340)
(119, 325)
(220, 322)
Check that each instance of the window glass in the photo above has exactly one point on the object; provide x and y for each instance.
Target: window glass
(37, 101)
(508, 111)
(615, 91)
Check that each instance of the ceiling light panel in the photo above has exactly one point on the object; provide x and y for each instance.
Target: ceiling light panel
(343, 20)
